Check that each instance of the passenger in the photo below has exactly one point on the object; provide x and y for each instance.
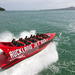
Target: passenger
(13, 40)
(31, 36)
(37, 34)
(16, 43)
(24, 41)
(41, 35)
(44, 36)
(26, 37)
(33, 40)
(27, 43)
(37, 37)
(20, 39)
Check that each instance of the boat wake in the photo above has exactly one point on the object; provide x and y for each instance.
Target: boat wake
(34, 64)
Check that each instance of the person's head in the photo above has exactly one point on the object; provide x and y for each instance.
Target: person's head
(37, 34)
(13, 39)
(26, 37)
(31, 36)
(20, 38)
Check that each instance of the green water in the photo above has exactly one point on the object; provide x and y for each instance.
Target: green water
(61, 22)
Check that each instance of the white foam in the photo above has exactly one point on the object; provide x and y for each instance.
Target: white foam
(71, 27)
(6, 36)
(36, 63)
(26, 33)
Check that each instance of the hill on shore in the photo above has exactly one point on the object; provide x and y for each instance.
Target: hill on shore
(69, 8)
(2, 9)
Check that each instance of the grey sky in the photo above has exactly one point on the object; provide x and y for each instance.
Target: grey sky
(35, 4)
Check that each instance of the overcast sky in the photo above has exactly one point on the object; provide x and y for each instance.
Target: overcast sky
(35, 4)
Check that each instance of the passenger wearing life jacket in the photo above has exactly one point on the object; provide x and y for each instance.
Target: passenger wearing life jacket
(16, 43)
(38, 38)
(44, 35)
(37, 34)
(26, 37)
(24, 41)
(31, 36)
(20, 39)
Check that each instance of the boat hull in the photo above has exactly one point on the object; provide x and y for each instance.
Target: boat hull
(38, 48)
(18, 60)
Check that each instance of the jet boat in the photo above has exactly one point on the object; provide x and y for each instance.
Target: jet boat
(16, 51)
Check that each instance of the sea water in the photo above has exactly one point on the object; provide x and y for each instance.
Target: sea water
(59, 56)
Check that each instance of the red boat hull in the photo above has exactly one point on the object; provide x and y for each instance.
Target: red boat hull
(13, 59)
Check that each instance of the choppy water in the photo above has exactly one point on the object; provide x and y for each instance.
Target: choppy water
(16, 23)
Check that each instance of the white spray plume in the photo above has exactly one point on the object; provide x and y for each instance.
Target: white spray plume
(28, 34)
(6, 36)
(36, 63)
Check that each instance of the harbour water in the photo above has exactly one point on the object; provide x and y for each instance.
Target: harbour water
(18, 23)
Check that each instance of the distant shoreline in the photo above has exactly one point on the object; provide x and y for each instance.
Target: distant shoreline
(68, 8)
